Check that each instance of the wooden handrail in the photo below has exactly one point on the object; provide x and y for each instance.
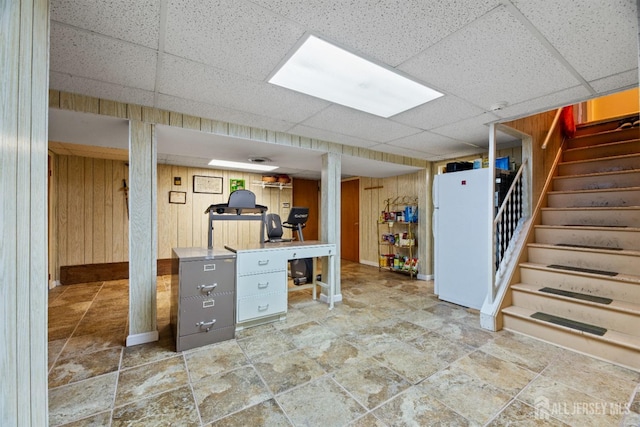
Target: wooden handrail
(556, 119)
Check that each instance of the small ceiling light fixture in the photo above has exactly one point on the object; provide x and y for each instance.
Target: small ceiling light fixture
(325, 71)
(240, 165)
(498, 106)
(259, 160)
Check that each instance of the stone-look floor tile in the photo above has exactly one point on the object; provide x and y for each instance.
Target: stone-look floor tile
(85, 366)
(357, 319)
(79, 400)
(320, 403)
(521, 414)
(86, 344)
(369, 420)
(61, 331)
(448, 311)
(370, 383)
(401, 329)
(470, 397)
(53, 350)
(372, 340)
(176, 407)
(150, 352)
(100, 327)
(267, 413)
(261, 346)
(635, 401)
(417, 303)
(310, 334)
(99, 420)
(567, 404)
(334, 354)
(464, 332)
(424, 319)
(256, 331)
(630, 420)
(501, 374)
(410, 362)
(288, 370)
(213, 359)
(156, 377)
(294, 317)
(525, 352)
(414, 408)
(440, 347)
(221, 395)
(594, 377)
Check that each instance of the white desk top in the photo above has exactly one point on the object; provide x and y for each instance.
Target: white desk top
(251, 247)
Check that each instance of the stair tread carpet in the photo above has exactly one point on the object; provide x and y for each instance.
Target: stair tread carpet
(583, 270)
(584, 327)
(626, 278)
(572, 245)
(577, 295)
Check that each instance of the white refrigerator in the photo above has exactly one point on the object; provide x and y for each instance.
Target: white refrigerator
(461, 242)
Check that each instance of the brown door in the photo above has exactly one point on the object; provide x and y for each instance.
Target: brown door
(305, 194)
(349, 220)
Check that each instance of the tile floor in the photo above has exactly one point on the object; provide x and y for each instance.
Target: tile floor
(391, 354)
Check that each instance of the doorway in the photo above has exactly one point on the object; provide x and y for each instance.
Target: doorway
(305, 194)
(350, 220)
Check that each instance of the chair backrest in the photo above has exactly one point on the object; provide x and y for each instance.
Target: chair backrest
(274, 226)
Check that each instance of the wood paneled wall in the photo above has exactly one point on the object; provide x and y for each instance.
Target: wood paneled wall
(92, 223)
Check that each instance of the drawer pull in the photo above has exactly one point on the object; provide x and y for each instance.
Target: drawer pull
(206, 325)
(263, 285)
(263, 307)
(207, 288)
(264, 262)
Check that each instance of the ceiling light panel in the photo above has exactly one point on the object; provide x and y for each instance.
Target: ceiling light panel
(325, 71)
(240, 165)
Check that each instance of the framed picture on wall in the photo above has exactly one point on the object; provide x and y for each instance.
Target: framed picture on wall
(179, 197)
(207, 184)
(236, 184)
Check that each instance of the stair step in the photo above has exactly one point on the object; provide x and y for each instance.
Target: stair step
(620, 287)
(577, 295)
(613, 346)
(611, 149)
(590, 216)
(603, 137)
(618, 197)
(589, 260)
(609, 164)
(598, 181)
(583, 270)
(574, 235)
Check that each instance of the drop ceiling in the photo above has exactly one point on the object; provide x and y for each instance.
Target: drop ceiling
(212, 59)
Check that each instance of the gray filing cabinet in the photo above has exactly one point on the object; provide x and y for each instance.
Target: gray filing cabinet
(203, 296)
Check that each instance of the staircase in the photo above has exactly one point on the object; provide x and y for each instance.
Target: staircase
(580, 287)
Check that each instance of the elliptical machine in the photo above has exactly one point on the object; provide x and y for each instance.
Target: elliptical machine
(301, 269)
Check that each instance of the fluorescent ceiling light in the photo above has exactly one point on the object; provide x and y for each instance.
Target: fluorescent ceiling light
(326, 71)
(240, 165)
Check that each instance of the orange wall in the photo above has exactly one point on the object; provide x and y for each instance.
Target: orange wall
(614, 105)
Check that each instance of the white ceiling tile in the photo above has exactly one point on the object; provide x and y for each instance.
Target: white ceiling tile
(386, 30)
(427, 142)
(101, 58)
(113, 92)
(615, 83)
(219, 87)
(213, 112)
(328, 135)
(133, 21)
(597, 38)
(234, 35)
(545, 103)
(493, 59)
(400, 151)
(444, 110)
(472, 131)
(358, 124)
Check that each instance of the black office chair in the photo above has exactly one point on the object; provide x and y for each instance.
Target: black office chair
(274, 228)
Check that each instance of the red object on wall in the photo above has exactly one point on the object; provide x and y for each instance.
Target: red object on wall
(568, 124)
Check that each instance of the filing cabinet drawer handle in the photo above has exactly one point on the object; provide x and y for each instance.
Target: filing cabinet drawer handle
(263, 262)
(206, 325)
(207, 288)
(263, 285)
(263, 307)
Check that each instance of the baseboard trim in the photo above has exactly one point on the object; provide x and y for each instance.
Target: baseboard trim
(143, 338)
(425, 276)
(86, 273)
(336, 298)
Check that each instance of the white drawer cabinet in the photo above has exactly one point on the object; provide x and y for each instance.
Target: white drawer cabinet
(261, 306)
(262, 284)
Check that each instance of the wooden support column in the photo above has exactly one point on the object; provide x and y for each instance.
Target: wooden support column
(24, 59)
(330, 218)
(142, 233)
